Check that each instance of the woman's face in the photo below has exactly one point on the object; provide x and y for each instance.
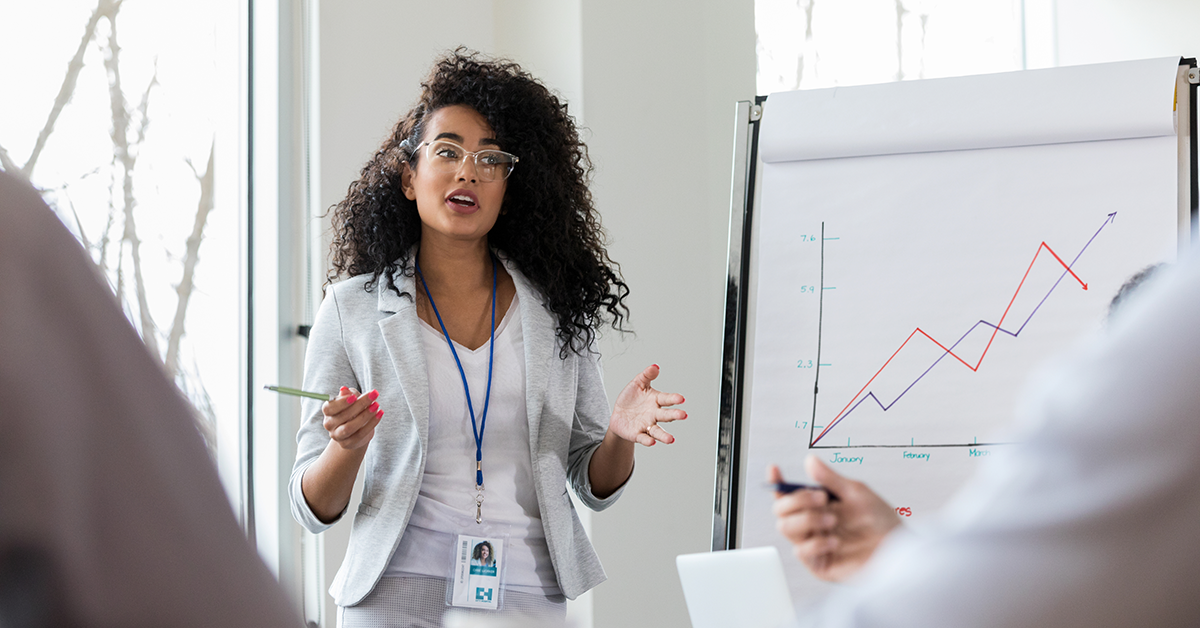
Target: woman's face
(485, 552)
(456, 205)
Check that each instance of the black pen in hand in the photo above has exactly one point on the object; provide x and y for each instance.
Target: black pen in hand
(783, 488)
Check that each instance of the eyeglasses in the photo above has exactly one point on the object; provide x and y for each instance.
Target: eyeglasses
(445, 156)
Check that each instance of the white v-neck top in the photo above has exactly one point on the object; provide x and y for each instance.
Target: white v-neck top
(445, 506)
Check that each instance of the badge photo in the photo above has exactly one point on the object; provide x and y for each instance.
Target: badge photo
(478, 567)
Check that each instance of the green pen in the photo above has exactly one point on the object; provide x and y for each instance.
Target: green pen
(296, 392)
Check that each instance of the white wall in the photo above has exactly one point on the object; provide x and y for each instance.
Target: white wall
(544, 37)
(660, 82)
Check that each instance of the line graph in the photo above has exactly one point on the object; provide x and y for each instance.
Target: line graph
(918, 333)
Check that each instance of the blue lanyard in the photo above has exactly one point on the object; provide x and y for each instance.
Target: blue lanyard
(477, 431)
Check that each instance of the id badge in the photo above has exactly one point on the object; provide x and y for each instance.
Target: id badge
(478, 569)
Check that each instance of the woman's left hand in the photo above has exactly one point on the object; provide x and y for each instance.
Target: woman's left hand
(640, 408)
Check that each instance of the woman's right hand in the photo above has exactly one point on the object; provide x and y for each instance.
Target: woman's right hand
(351, 418)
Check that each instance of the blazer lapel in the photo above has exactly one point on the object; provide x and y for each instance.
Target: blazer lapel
(402, 334)
(538, 327)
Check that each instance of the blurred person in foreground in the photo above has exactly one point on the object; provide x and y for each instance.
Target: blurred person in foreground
(1089, 521)
(111, 513)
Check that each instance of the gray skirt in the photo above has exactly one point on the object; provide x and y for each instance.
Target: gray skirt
(421, 603)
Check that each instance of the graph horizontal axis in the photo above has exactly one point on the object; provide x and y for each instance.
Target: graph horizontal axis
(941, 445)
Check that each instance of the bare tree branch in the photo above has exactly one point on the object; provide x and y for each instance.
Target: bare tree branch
(205, 413)
(184, 289)
(105, 237)
(924, 25)
(66, 192)
(120, 139)
(7, 164)
(120, 289)
(807, 6)
(143, 107)
(83, 239)
(104, 8)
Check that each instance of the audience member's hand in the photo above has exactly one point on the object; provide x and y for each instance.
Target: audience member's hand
(834, 539)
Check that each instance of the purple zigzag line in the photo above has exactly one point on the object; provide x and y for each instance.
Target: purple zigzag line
(871, 394)
(935, 363)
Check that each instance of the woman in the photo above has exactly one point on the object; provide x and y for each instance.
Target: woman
(478, 281)
(482, 556)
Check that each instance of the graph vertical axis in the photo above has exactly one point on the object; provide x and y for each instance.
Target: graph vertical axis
(812, 424)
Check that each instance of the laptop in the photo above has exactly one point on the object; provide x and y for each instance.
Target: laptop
(735, 588)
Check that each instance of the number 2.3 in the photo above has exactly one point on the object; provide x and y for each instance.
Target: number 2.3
(804, 364)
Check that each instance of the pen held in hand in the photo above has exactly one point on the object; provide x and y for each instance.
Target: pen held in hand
(783, 488)
(296, 392)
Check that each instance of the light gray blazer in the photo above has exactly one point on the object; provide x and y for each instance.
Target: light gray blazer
(371, 340)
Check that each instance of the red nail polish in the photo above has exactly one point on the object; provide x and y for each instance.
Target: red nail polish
(373, 407)
(373, 395)
(379, 414)
(351, 399)
(657, 366)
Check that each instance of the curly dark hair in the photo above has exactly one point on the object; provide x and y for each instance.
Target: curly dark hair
(477, 553)
(550, 229)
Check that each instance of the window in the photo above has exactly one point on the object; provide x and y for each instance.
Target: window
(808, 44)
(127, 115)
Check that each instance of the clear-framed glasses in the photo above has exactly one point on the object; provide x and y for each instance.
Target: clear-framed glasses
(447, 157)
